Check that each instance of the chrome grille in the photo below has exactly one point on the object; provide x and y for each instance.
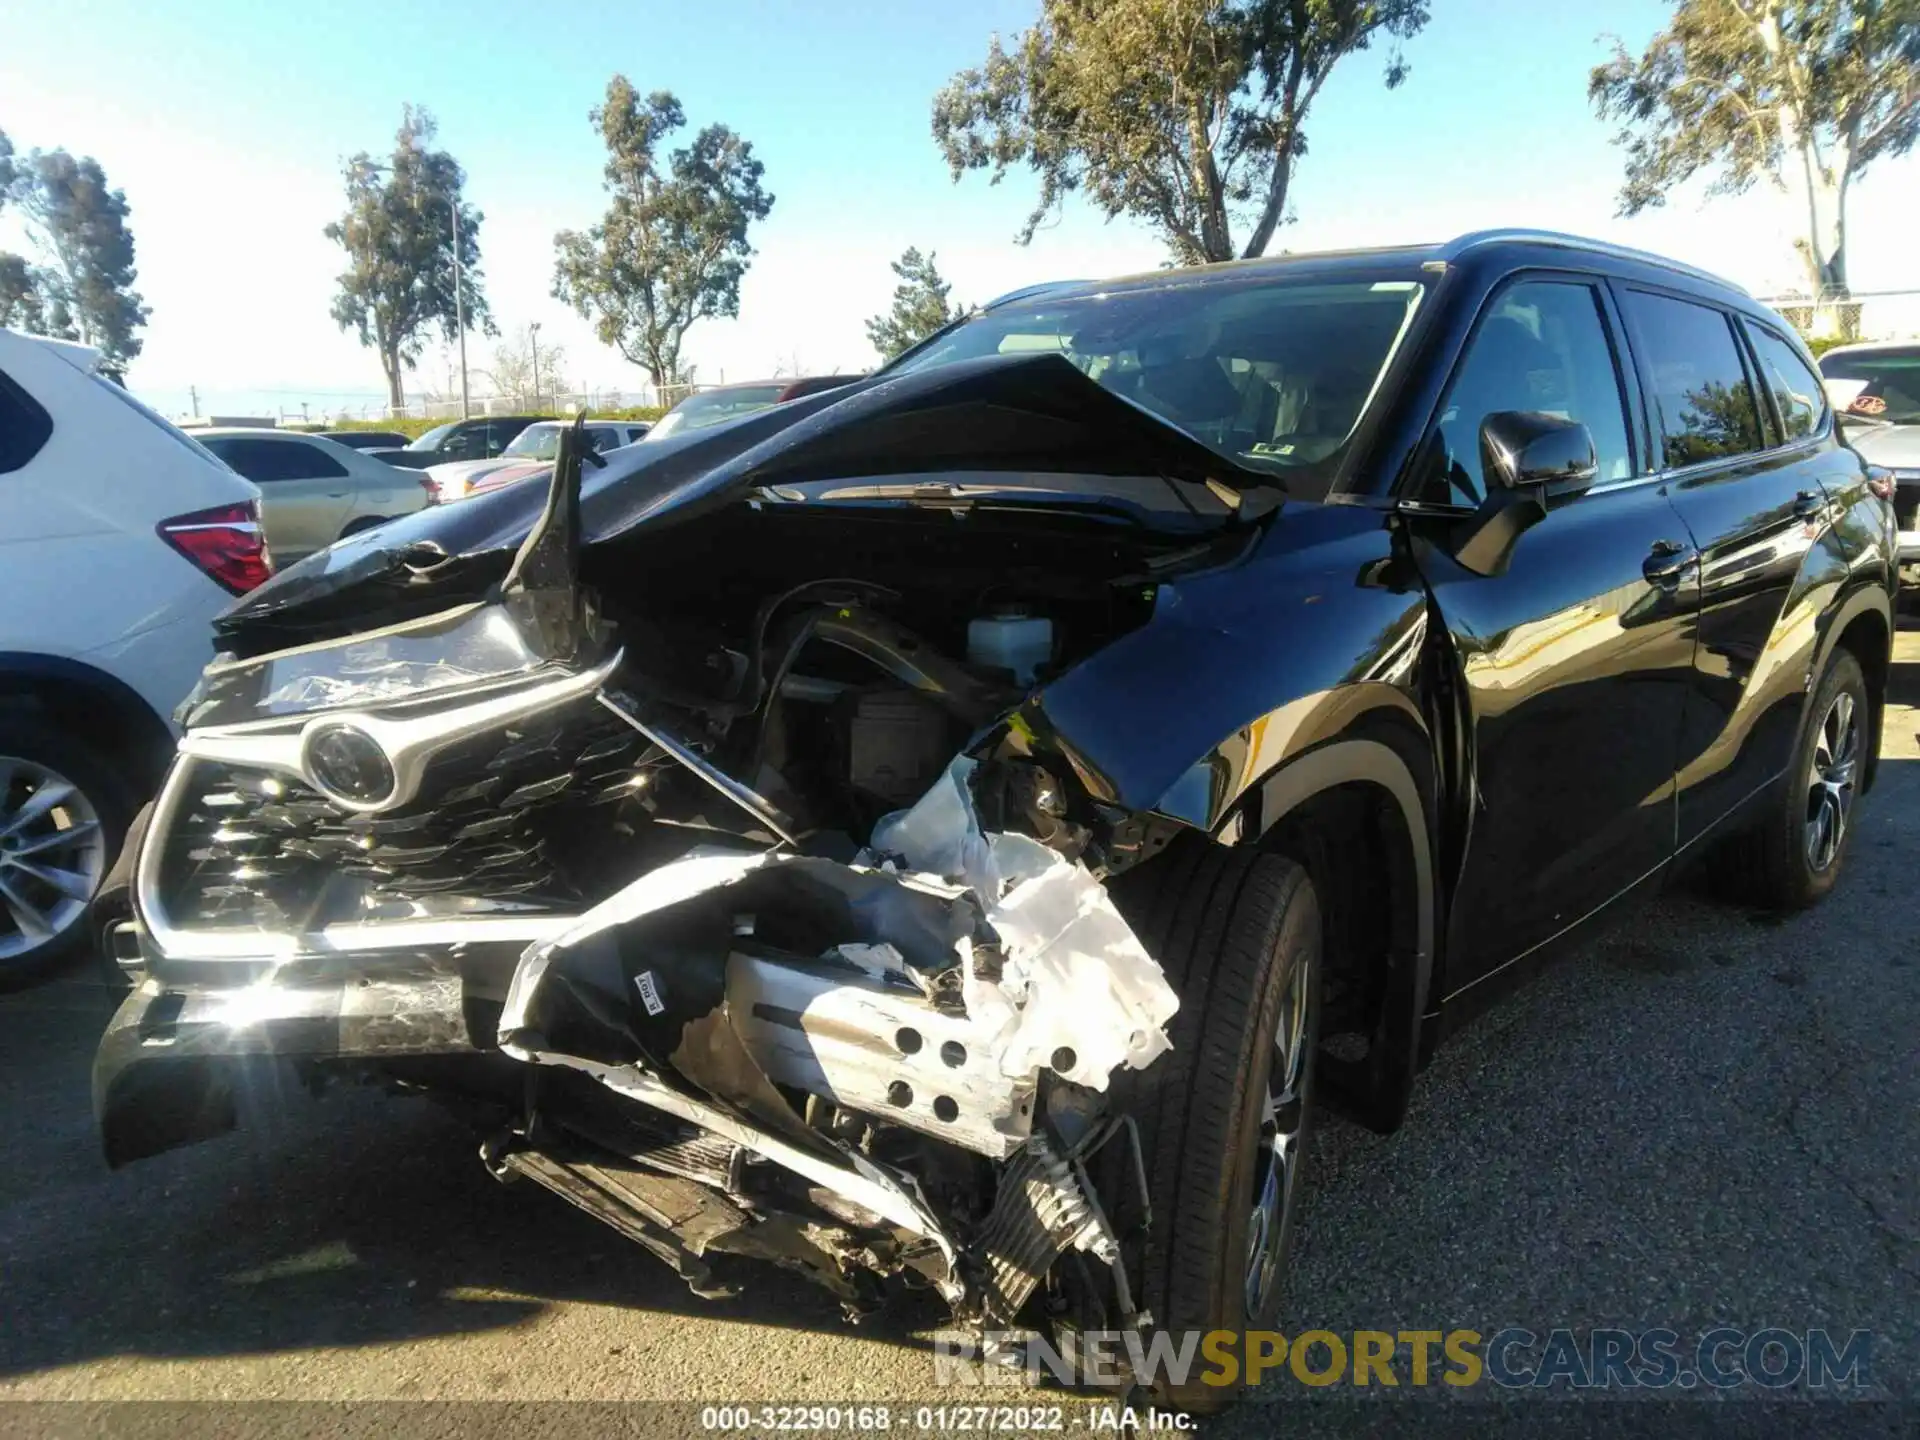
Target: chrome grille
(496, 819)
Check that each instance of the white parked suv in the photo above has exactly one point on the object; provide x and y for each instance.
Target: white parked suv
(120, 540)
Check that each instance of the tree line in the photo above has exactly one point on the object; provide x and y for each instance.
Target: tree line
(1187, 116)
(1191, 117)
(76, 282)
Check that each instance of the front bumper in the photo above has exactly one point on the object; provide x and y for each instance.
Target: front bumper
(192, 1037)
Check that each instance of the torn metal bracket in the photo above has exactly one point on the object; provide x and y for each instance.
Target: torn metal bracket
(895, 1199)
(618, 1202)
(748, 800)
(1108, 1248)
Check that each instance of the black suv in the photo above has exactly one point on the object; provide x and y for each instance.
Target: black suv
(962, 824)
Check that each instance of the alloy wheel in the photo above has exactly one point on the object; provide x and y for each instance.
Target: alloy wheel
(1830, 782)
(52, 855)
(1277, 1153)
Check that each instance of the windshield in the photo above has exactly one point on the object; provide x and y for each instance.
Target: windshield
(1271, 372)
(1878, 384)
(431, 440)
(710, 407)
(536, 442)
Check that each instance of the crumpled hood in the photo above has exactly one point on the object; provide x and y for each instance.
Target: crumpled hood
(1024, 413)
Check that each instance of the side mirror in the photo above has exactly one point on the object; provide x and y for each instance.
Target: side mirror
(1521, 448)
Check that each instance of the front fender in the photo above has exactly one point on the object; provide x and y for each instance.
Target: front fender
(1244, 666)
(1258, 687)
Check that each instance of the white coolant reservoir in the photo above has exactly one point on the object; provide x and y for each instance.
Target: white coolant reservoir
(1011, 640)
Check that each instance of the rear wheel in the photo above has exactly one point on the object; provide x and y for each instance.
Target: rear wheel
(1225, 1115)
(364, 523)
(1793, 857)
(63, 812)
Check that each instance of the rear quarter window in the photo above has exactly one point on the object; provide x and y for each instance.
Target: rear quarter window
(25, 426)
(1799, 399)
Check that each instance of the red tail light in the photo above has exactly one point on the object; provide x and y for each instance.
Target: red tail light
(1880, 481)
(224, 542)
(433, 490)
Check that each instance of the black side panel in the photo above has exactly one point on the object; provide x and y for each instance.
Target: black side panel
(1576, 667)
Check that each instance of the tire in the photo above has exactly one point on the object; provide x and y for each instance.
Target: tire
(44, 923)
(1239, 936)
(1778, 865)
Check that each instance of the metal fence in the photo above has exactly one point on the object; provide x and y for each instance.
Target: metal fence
(592, 402)
(1860, 315)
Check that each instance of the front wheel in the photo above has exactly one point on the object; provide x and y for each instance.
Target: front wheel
(1224, 1116)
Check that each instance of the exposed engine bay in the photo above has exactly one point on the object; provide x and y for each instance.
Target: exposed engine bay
(823, 970)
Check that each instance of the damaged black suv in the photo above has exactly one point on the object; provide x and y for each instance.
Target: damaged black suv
(956, 828)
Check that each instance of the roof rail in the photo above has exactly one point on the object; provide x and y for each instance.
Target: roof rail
(1457, 247)
(1028, 292)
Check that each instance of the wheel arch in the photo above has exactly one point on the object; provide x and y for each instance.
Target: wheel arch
(1862, 624)
(1357, 811)
(100, 708)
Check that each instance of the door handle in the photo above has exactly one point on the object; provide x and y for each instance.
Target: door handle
(1667, 564)
(338, 494)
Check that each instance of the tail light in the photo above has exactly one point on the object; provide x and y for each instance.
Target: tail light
(1880, 481)
(225, 543)
(433, 490)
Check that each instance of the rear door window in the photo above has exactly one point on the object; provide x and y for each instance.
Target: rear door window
(1702, 397)
(25, 426)
(266, 461)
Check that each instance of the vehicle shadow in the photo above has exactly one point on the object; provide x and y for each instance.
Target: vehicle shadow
(360, 1220)
(355, 1219)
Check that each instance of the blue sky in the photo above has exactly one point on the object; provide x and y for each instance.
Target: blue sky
(226, 122)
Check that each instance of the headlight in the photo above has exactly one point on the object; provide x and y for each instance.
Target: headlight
(466, 646)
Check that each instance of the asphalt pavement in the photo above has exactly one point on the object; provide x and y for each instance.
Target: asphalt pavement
(1704, 1117)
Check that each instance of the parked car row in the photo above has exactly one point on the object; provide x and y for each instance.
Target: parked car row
(527, 453)
(313, 490)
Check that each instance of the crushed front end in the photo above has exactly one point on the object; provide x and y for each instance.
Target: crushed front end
(730, 866)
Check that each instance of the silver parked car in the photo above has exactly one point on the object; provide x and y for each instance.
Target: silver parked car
(314, 491)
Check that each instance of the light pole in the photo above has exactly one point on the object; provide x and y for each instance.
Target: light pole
(459, 303)
(533, 339)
